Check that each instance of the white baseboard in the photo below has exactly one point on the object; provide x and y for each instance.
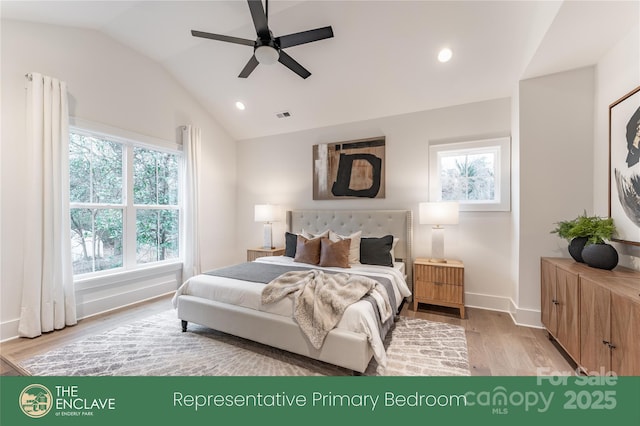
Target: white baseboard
(520, 316)
(487, 301)
(9, 330)
(97, 306)
(525, 317)
(89, 308)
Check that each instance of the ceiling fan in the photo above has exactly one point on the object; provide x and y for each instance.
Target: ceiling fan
(267, 49)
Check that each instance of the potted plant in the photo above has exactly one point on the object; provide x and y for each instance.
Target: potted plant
(575, 235)
(587, 236)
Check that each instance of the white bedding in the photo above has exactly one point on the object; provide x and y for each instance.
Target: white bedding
(359, 317)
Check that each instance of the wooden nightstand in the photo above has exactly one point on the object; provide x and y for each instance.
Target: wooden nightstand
(439, 284)
(253, 254)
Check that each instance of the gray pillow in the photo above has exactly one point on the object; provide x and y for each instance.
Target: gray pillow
(376, 251)
(290, 242)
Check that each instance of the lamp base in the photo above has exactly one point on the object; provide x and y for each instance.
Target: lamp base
(268, 244)
(437, 245)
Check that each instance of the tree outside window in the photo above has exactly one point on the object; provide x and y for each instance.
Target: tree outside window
(474, 173)
(468, 177)
(100, 206)
(155, 189)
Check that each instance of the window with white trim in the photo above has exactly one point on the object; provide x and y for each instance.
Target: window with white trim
(477, 174)
(124, 203)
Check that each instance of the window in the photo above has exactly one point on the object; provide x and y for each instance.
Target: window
(124, 203)
(476, 174)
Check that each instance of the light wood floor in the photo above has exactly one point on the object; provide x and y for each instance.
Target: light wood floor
(497, 347)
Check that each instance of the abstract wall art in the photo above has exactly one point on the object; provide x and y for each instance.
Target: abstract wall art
(352, 169)
(624, 167)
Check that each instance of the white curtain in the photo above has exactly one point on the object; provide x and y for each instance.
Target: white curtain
(191, 242)
(48, 299)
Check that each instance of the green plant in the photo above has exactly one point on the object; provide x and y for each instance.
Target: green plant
(564, 229)
(596, 229)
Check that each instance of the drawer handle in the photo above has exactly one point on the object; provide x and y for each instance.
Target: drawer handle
(555, 302)
(608, 343)
(439, 282)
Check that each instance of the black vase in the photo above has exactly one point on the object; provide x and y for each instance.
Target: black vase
(575, 248)
(601, 256)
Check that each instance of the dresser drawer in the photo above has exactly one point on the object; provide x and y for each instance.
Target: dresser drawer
(438, 291)
(439, 274)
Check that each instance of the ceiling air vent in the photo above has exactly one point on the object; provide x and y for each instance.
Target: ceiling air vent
(283, 114)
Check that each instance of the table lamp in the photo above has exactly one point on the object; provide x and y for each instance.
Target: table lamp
(438, 214)
(267, 213)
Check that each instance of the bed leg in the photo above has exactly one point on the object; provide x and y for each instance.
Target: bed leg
(184, 326)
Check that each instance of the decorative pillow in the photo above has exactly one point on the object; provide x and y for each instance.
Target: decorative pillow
(393, 246)
(290, 243)
(309, 235)
(307, 251)
(376, 251)
(354, 249)
(334, 253)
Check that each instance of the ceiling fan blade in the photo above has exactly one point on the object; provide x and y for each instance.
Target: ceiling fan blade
(304, 37)
(259, 18)
(248, 69)
(290, 63)
(220, 37)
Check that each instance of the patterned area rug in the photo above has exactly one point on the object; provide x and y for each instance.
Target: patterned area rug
(156, 346)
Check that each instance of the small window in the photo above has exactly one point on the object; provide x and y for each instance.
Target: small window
(475, 173)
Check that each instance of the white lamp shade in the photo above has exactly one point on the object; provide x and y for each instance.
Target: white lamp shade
(266, 213)
(439, 213)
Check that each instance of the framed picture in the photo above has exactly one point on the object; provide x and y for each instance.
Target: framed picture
(624, 167)
(353, 169)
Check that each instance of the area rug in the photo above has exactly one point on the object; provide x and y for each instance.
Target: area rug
(156, 346)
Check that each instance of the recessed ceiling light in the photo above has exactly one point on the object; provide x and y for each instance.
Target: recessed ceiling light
(445, 55)
(240, 106)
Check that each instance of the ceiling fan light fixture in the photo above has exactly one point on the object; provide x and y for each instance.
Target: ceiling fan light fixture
(267, 55)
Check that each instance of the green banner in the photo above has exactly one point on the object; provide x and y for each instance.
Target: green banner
(318, 400)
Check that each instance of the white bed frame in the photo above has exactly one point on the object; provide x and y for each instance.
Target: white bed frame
(341, 347)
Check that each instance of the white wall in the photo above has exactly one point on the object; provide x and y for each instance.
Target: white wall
(277, 169)
(114, 85)
(617, 73)
(556, 170)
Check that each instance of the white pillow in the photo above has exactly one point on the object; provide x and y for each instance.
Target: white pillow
(393, 246)
(310, 236)
(354, 247)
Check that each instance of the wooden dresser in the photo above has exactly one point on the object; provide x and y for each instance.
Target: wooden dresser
(593, 314)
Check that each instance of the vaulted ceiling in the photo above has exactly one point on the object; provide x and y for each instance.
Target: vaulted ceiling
(382, 60)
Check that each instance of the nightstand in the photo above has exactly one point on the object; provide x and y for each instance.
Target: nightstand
(253, 254)
(439, 284)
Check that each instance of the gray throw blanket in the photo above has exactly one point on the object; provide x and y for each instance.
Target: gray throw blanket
(321, 299)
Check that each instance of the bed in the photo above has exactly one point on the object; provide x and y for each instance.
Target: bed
(233, 305)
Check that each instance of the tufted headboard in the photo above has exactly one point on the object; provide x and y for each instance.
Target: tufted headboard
(372, 223)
